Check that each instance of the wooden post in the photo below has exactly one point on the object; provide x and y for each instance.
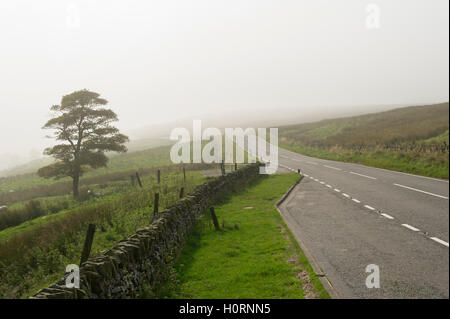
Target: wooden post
(181, 192)
(138, 179)
(298, 170)
(87, 243)
(235, 166)
(159, 176)
(184, 173)
(222, 168)
(214, 218)
(156, 204)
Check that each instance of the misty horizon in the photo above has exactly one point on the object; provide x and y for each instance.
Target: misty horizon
(261, 62)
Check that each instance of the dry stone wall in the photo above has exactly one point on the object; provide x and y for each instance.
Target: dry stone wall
(145, 257)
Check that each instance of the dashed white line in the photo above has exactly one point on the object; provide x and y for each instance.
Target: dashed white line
(440, 241)
(410, 227)
(312, 163)
(338, 169)
(366, 176)
(297, 160)
(421, 191)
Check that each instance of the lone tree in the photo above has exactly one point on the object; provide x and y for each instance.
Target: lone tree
(84, 125)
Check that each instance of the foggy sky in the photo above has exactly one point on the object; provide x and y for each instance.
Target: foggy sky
(163, 61)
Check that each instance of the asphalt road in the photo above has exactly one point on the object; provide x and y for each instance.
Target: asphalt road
(349, 216)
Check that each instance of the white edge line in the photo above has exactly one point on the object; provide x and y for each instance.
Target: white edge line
(369, 207)
(421, 191)
(387, 216)
(346, 195)
(440, 241)
(356, 201)
(337, 190)
(410, 227)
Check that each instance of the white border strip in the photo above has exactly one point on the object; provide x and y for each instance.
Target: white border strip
(421, 191)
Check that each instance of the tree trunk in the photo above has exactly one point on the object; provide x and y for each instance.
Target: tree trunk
(76, 180)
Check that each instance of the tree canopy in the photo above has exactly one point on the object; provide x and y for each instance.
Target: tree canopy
(83, 124)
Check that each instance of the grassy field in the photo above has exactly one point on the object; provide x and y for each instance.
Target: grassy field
(253, 256)
(154, 157)
(412, 139)
(34, 254)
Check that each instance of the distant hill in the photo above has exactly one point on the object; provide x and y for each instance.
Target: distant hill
(133, 146)
(410, 139)
(427, 123)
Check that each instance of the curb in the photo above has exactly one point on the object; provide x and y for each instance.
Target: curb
(312, 261)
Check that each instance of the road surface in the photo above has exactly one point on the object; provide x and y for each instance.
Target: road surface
(349, 216)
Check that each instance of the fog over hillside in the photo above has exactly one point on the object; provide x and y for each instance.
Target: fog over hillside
(234, 63)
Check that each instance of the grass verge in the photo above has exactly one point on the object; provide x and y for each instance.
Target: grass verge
(425, 164)
(253, 255)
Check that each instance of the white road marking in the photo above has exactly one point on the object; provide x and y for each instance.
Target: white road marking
(440, 241)
(366, 176)
(338, 169)
(297, 160)
(410, 227)
(421, 191)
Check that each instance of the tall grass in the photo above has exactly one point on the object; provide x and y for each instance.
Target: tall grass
(411, 139)
(37, 255)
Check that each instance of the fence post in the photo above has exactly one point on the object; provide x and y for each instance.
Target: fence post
(87, 243)
(235, 166)
(298, 170)
(156, 204)
(214, 218)
(181, 192)
(138, 179)
(159, 176)
(184, 173)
